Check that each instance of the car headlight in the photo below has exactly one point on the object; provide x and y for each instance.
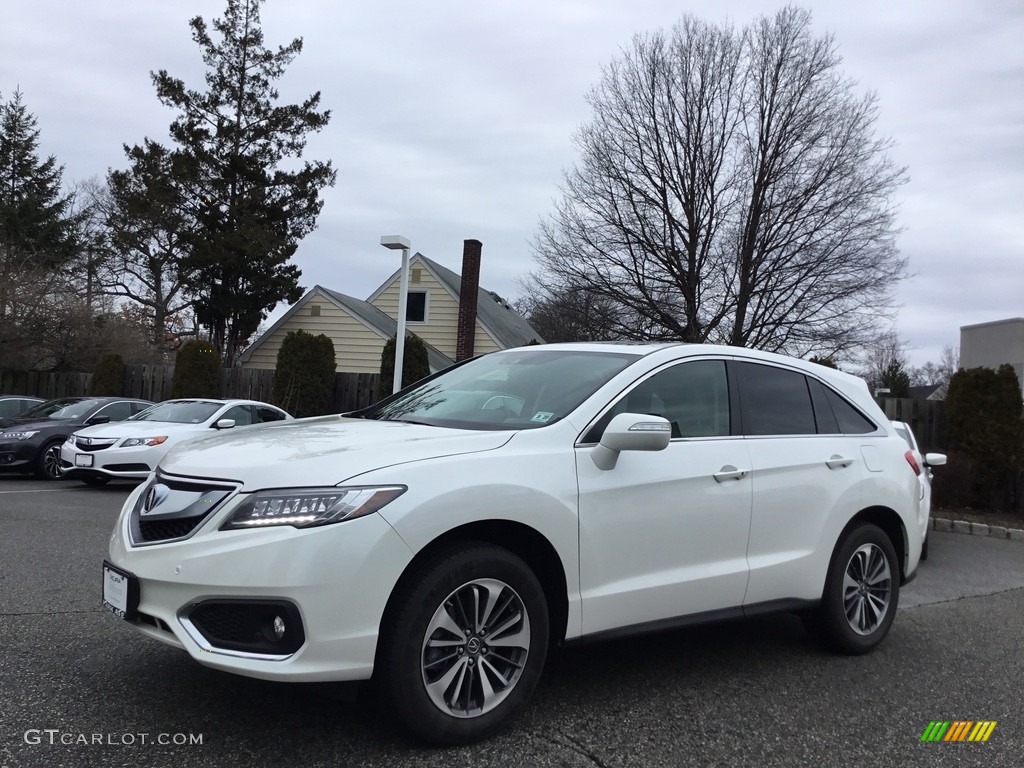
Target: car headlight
(20, 435)
(310, 507)
(133, 441)
(71, 439)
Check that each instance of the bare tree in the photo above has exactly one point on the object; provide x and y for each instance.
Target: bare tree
(568, 314)
(881, 357)
(730, 188)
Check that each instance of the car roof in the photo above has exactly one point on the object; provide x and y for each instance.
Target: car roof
(217, 401)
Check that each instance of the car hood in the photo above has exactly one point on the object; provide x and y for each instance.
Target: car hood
(141, 429)
(27, 425)
(319, 451)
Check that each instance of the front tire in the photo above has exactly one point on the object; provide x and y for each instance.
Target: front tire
(463, 645)
(48, 463)
(861, 593)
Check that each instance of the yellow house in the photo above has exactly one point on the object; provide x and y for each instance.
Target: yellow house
(359, 329)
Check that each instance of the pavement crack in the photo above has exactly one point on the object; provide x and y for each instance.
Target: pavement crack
(576, 746)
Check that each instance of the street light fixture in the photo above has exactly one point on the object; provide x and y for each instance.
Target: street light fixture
(399, 243)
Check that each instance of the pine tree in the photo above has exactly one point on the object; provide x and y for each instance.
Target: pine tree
(37, 222)
(251, 201)
(38, 230)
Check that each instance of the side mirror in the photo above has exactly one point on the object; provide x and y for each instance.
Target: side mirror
(98, 420)
(224, 424)
(631, 432)
(934, 459)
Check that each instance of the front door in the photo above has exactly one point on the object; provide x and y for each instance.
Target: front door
(664, 534)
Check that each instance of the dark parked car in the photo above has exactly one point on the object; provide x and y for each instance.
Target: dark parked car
(31, 442)
(15, 405)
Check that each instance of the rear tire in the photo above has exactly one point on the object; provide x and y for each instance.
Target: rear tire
(462, 644)
(861, 593)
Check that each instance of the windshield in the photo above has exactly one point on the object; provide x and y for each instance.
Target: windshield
(179, 412)
(68, 408)
(518, 389)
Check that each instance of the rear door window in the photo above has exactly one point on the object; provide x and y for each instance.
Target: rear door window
(774, 401)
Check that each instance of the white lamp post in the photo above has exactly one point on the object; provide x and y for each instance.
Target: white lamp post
(397, 242)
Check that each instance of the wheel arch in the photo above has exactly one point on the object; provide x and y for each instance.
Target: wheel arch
(525, 542)
(892, 524)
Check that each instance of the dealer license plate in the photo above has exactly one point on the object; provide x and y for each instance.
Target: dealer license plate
(120, 592)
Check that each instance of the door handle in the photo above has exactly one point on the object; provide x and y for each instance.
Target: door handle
(729, 472)
(838, 462)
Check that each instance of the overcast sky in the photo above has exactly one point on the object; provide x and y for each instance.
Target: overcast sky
(454, 120)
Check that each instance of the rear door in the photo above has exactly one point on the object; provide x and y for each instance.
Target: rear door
(806, 476)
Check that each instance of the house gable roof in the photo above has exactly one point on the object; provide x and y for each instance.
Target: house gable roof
(502, 323)
(367, 314)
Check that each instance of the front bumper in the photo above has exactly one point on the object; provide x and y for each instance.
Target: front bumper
(339, 578)
(128, 463)
(19, 455)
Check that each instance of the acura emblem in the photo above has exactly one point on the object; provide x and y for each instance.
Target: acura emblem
(87, 440)
(155, 496)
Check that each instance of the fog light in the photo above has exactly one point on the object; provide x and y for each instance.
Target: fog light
(278, 627)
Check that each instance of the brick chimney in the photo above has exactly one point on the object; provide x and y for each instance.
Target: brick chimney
(468, 292)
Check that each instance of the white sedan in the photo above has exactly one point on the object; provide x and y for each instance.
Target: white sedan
(130, 449)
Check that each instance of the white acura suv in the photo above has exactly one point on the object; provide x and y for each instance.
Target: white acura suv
(439, 541)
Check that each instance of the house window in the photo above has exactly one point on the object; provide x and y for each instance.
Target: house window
(314, 310)
(416, 307)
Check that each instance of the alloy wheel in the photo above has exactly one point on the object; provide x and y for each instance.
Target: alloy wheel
(475, 648)
(51, 461)
(867, 588)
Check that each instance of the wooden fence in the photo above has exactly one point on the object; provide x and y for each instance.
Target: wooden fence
(153, 382)
(925, 417)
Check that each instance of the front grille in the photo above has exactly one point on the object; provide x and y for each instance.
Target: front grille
(248, 625)
(176, 528)
(94, 444)
(170, 509)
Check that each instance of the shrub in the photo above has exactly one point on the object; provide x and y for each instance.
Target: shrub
(414, 366)
(196, 370)
(983, 413)
(107, 377)
(304, 375)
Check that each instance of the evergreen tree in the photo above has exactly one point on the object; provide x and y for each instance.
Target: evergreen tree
(415, 364)
(196, 370)
(896, 379)
(984, 412)
(148, 227)
(304, 374)
(251, 200)
(38, 233)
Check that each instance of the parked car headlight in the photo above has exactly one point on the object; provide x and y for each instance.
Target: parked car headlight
(133, 441)
(20, 435)
(71, 439)
(310, 507)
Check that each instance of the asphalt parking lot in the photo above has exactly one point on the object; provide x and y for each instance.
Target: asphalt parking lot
(79, 688)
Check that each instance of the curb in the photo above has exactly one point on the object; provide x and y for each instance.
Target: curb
(976, 529)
